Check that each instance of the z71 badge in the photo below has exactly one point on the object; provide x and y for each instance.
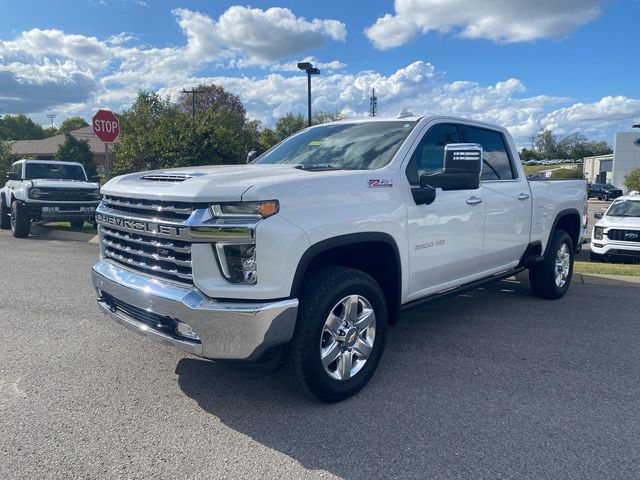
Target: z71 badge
(380, 183)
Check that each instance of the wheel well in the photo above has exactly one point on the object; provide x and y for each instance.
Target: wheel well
(570, 223)
(380, 259)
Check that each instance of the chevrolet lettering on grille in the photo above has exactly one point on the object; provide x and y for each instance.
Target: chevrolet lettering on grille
(138, 225)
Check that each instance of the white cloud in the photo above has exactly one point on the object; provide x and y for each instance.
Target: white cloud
(497, 20)
(261, 36)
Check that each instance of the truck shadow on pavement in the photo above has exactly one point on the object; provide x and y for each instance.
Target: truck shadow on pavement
(471, 386)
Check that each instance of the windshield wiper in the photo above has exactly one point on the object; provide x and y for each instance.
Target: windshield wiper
(318, 167)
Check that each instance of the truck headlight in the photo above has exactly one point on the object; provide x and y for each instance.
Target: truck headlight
(237, 262)
(35, 193)
(597, 232)
(246, 209)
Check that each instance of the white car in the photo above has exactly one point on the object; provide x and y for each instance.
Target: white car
(307, 254)
(616, 235)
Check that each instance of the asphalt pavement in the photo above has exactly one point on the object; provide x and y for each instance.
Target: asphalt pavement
(491, 384)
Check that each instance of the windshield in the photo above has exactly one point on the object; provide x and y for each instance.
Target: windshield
(357, 146)
(53, 170)
(624, 208)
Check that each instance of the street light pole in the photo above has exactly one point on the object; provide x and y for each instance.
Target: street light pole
(193, 92)
(311, 70)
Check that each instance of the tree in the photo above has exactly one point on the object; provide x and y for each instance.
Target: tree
(75, 150)
(6, 159)
(324, 117)
(545, 144)
(19, 127)
(72, 123)
(211, 97)
(526, 154)
(632, 179)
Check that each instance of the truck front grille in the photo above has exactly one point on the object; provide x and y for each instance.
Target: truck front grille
(151, 209)
(67, 195)
(165, 258)
(624, 235)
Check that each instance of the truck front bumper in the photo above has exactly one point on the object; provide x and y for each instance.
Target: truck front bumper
(182, 316)
(55, 211)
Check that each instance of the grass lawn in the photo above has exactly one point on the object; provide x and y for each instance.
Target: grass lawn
(632, 270)
(87, 228)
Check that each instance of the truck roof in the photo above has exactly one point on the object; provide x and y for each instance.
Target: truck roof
(27, 160)
(417, 118)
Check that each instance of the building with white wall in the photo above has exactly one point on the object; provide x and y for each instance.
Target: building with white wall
(613, 168)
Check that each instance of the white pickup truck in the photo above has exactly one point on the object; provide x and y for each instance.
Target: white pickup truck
(47, 191)
(307, 254)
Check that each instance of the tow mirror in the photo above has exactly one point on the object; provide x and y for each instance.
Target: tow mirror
(461, 168)
(598, 215)
(13, 176)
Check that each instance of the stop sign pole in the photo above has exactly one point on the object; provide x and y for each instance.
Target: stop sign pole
(107, 128)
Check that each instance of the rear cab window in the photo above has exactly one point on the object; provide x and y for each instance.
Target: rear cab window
(497, 163)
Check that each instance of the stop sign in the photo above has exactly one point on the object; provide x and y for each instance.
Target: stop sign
(106, 126)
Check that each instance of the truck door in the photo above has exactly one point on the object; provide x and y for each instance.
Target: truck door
(445, 237)
(507, 201)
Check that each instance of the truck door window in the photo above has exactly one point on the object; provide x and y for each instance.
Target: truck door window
(429, 154)
(496, 162)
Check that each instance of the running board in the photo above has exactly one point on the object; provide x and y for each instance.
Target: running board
(462, 288)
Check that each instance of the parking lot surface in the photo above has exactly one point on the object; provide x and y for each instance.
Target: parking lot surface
(491, 384)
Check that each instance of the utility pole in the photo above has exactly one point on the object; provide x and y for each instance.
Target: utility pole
(193, 92)
(373, 103)
(311, 70)
(51, 116)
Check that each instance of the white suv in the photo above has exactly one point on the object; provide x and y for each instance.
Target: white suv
(616, 235)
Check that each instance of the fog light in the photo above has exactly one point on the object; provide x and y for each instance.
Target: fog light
(598, 245)
(185, 330)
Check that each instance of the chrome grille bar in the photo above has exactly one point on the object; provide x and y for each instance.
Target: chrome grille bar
(111, 202)
(141, 253)
(151, 243)
(127, 261)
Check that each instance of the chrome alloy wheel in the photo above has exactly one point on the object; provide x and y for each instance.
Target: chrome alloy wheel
(347, 337)
(563, 264)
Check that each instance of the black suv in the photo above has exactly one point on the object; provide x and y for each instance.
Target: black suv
(603, 191)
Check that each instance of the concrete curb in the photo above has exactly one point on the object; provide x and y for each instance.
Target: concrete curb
(65, 235)
(601, 279)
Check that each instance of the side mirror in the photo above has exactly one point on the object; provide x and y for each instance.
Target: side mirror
(252, 155)
(598, 215)
(95, 178)
(13, 176)
(461, 168)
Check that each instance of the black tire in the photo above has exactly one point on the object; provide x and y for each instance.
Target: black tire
(605, 197)
(77, 223)
(5, 216)
(20, 222)
(542, 277)
(323, 290)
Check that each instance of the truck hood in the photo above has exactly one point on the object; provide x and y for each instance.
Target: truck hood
(224, 183)
(621, 222)
(54, 183)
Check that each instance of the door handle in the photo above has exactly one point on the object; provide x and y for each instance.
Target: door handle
(523, 196)
(474, 200)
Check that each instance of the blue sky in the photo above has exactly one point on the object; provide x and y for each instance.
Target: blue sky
(568, 65)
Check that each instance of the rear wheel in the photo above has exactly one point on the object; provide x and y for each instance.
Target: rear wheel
(340, 334)
(605, 197)
(77, 223)
(20, 221)
(551, 278)
(5, 216)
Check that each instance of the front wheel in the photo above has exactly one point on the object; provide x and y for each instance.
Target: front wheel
(605, 197)
(20, 221)
(340, 334)
(551, 278)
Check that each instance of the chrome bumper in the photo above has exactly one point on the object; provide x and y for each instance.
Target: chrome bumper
(226, 330)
